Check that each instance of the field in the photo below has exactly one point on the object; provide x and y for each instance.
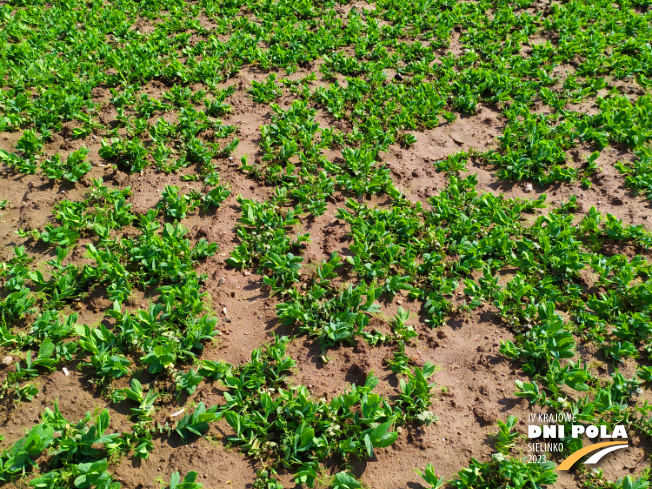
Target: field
(272, 243)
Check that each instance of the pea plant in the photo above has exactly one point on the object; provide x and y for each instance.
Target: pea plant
(345, 99)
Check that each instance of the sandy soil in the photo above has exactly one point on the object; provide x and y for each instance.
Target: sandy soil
(476, 382)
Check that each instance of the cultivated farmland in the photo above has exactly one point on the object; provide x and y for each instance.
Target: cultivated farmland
(271, 243)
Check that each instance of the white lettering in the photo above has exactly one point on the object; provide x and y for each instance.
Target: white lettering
(577, 430)
(592, 431)
(533, 431)
(550, 431)
(619, 432)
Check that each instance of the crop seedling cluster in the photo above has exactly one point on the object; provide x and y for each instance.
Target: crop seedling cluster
(150, 148)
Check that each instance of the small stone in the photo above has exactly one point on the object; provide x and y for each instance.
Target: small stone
(528, 187)
(457, 139)
(227, 320)
(246, 273)
(224, 310)
(399, 302)
(221, 281)
(8, 360)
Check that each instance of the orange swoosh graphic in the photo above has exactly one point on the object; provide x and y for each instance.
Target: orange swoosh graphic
(568, 463)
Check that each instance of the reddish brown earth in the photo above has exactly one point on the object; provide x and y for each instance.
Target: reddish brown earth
(476, 382)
